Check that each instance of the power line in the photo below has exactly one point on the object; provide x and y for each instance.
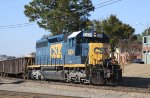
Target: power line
(103, 4)
(108, 4)
(15, 26)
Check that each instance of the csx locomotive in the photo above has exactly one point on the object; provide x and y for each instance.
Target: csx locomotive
(81, 57)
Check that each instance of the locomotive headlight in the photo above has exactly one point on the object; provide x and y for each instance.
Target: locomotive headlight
(94, 34)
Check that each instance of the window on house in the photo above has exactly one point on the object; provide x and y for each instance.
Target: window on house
(144, 51)
(145, 39)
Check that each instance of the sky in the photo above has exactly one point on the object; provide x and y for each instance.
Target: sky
(21, 40)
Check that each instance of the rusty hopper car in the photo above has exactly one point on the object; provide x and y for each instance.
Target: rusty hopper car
(16, 67)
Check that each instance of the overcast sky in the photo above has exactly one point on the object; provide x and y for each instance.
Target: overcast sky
(21, 40)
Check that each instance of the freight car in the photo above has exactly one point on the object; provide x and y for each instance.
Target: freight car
(81, 56)
(16, 67)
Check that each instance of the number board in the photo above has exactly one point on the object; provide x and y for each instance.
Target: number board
(100, 35)
(87, 34)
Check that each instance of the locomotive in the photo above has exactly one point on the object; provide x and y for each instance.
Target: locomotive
(80, 57)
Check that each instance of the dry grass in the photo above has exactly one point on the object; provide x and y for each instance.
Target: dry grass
(136, 70)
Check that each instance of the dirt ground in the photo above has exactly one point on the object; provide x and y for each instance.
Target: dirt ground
(136, 70)
(137, 75)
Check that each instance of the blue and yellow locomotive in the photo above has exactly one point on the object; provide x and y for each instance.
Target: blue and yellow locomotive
(81, 56)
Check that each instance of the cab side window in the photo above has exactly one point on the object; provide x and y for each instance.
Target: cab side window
(72, 42)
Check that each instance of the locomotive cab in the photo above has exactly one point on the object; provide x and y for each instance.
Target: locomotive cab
(94, 50)
(83, 44)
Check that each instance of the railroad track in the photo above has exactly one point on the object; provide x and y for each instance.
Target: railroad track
(121, 88)
(12, 94)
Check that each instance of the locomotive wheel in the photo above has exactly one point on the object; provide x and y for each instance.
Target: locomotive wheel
(75, 79)
(97, 79)
(1, 74)
(41, 78)
(5, 75)
(24, 76)
(66, 78)
(97, 76)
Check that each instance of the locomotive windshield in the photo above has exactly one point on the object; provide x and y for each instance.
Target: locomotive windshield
(92, 37)
(92, 40)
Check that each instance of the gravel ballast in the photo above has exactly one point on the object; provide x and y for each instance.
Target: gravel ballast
(56, 89)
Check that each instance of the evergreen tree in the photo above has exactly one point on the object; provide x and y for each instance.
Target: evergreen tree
(146, 32)
(114, 29)
(59, 16)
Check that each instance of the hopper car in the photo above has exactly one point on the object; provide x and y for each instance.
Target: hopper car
(16, 67)
(81, 57)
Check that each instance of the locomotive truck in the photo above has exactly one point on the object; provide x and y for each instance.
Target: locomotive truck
(81, 57)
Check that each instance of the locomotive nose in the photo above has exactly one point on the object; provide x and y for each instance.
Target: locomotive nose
(98, 52)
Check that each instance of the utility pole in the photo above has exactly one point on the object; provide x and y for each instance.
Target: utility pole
(147, 41)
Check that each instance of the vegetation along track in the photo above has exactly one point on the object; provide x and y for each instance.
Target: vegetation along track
(125, 87)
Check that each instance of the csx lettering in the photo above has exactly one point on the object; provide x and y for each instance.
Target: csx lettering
(99, 50)
(55, 51)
